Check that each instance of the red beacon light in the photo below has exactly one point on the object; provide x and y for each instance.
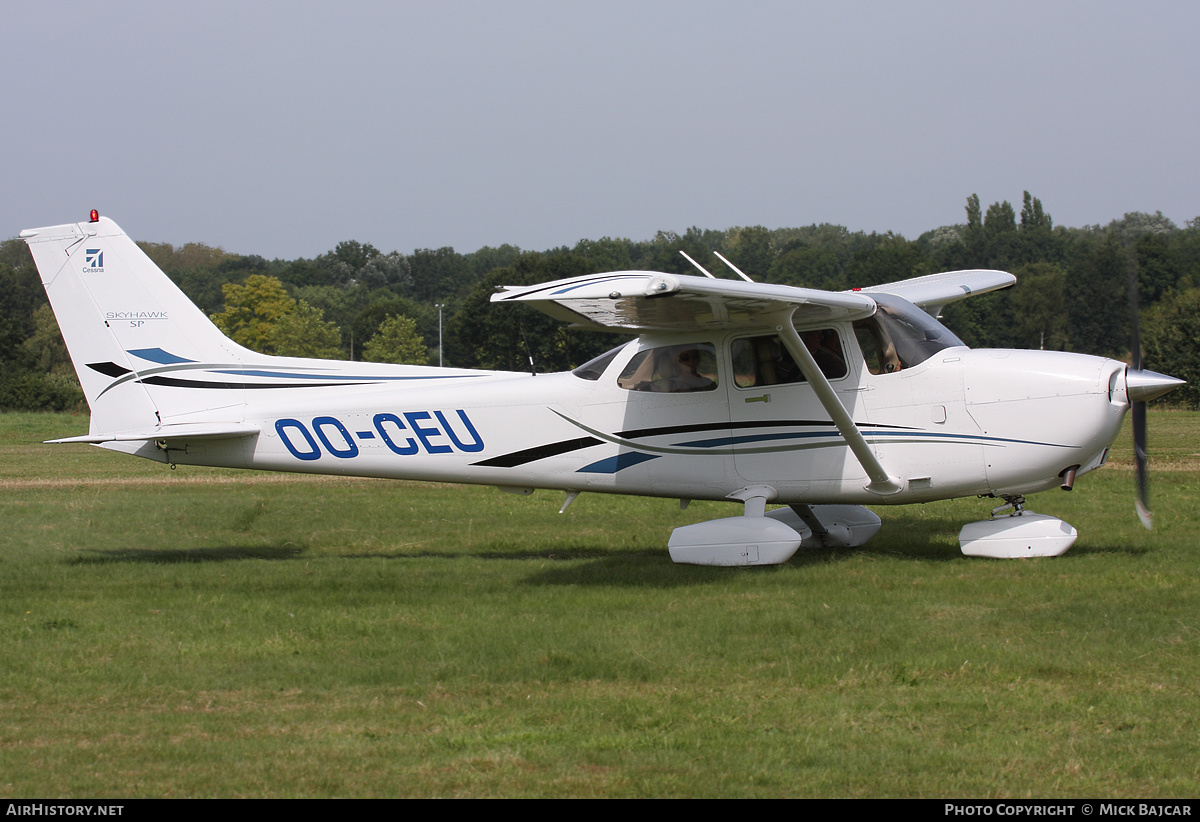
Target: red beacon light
(94, 216)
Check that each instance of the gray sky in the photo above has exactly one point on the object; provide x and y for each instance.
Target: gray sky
(282, 128)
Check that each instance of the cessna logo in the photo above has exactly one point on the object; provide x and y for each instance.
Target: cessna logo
(93, 260)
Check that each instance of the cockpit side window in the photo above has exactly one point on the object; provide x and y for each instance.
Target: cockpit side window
(672, 369)
(764, 360)
(899, 335)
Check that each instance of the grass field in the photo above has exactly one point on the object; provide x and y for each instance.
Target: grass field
(215, 633)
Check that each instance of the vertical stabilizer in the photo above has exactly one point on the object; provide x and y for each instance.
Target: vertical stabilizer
(123, 320)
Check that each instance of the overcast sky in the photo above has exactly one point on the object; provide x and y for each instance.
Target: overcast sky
(282, 128)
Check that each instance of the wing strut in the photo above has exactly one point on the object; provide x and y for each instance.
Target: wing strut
(882, 482)
(736, 270)
(703, 270)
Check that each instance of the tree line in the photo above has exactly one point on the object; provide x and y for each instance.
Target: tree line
(1073, 293)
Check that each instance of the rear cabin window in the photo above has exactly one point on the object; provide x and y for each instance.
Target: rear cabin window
(593, 369)
(672, 369)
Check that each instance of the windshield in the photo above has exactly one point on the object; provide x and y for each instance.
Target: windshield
(900, 335)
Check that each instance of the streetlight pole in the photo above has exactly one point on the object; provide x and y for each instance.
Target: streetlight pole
(440, 306)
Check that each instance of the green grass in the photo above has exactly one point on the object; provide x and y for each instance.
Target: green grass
(217, 633)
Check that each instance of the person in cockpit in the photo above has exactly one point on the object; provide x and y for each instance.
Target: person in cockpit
(681, 372)
(827, 357)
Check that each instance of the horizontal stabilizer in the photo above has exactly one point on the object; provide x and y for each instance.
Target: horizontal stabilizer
(169, 433)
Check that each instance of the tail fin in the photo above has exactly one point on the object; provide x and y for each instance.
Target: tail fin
(123, 320)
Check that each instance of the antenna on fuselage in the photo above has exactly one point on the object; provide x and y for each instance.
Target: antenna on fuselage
(737, 270)
(703, 270)
(528, 351)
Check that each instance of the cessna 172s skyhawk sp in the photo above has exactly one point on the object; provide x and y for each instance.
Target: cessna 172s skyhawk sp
(823, 402)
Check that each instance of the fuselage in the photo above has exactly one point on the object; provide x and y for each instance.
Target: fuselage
(962, 422)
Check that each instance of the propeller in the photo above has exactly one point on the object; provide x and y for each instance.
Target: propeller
(1138, 409)
(1141, 386)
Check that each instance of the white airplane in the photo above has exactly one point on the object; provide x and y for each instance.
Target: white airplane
(824, 402)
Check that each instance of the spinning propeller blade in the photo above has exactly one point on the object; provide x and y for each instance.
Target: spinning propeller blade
(1139, 408)
(1141, 386)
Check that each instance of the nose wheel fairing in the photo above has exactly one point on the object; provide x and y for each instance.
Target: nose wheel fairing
(1017, 536)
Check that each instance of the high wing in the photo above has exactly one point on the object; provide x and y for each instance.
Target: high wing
(650, 301)
(934, 291)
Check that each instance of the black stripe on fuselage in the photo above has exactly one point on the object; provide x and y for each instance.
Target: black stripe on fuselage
(518, 458)
(540, 452)
(175, 382)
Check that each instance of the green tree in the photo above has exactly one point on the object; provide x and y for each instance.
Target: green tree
(752, 249)
(21, 289)
(892, 258)
(355, 254)
(487, 258)
(606, 254)
(35, 371)
(1171, 343)
(1000, 234)
(973, 233)
(1033, 217)
(1097, 294)
(305, 333)
(1040, 307)
(1158, 266)
(192, 255)
(802, 265)
(397, 341)
(383, 305)
(33, 378)
(46, 347)
(943, 236)
(438, 275)
(251, 311)
(339, 305)
(1136, 223)
(985, 321)
(483, 334)
(385, 271)
(1037, 241)
(342, 265)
